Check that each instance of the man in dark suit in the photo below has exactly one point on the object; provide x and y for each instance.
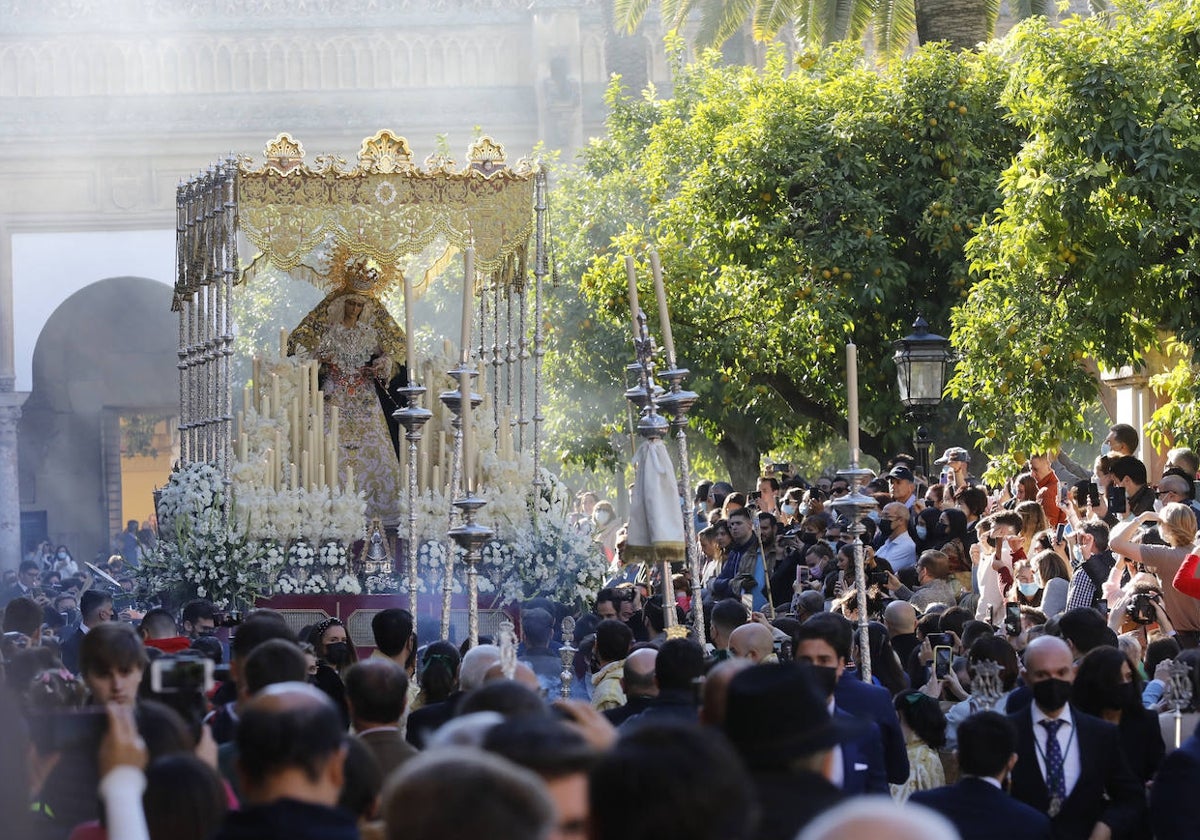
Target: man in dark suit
(1171, 811)
(95, 608)
(863, 700)
(377, 693)
(859, 765)
(29, 574)
(978, 805)
(1070, 765)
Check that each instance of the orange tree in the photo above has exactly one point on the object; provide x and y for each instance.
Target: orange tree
(793, 211)
(1091, 259)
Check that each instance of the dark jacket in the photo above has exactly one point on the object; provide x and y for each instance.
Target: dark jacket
(68, 651)
(426, 720)
(389, 748)
(1172, 812)
(863, 765)
(870, 702)
(669, 706)
(288, 819)
(981, 811)
(1107, 790)
(634, 705)
(789, 801)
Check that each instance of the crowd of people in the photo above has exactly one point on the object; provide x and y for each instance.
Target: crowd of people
(1027, 667)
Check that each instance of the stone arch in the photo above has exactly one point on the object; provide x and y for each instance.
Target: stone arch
(110, 346)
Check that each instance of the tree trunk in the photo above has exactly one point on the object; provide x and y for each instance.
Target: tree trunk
(741, 456)
(962, 23)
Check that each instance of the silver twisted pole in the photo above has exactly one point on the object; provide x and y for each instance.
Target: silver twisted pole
(677, 403)
(453, 401)
(854, 506)
(413, 417)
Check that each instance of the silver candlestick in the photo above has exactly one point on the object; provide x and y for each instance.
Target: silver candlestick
(413, 417)
(854, 506)
(651, 425)
(471, 537)
(677, 403)
(567, 654)
(453, 401)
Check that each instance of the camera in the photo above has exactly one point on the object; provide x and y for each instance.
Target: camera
(184, 673)
(1141, 608)
(68, 729)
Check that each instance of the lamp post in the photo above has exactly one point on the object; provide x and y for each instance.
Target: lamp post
(921, 358)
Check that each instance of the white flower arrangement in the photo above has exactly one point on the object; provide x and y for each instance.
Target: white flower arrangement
(301, 555)
(203, 550)
(348, 584)
(333, 555)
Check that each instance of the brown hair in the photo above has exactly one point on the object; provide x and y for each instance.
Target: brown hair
(113, 646)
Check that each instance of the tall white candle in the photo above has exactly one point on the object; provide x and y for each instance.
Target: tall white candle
(631, 273)
(468, 304)
(283, 337)
(292, 477)
(664, 315)
(468, 463)
(410, 354)
(350, 480)
(852, 399)
(275, 401)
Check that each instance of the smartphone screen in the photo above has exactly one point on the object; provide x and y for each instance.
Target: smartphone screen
(803, 573)
(1117, 503)
(1061, 533)
(941, 662)
(1012, 619)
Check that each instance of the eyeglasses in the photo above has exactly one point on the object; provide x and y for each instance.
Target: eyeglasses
(1161, 493)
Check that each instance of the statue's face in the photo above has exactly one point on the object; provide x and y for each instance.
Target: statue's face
(353, 308)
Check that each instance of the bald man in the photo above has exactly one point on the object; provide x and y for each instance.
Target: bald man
(523, 674)
(900, 619)
(1070, 765)
(639, 685)
(898, 547)
(291, 752)
(753, 641)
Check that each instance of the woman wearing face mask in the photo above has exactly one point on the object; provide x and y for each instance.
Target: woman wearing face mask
(1107, 686)
(950, 538)
(335, 654)
(64, 563)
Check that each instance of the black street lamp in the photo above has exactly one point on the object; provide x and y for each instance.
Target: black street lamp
(921, 359)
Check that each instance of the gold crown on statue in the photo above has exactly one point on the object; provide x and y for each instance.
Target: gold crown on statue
(350, 272)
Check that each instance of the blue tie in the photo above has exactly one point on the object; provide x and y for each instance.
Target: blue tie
(1056, 779)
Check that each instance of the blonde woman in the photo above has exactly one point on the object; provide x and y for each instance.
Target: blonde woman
(1177, 527)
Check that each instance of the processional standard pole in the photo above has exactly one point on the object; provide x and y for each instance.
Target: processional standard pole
(541, 267)
(854, 507)
(651, 425)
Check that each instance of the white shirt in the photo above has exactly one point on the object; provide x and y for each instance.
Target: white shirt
(1066, 742)
(900, 551)
(837, 769)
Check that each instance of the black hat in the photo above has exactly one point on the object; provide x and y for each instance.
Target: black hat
(902, 472)
(775, 713)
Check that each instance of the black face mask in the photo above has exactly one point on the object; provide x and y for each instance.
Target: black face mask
(337, 654)
(807, 538)
(1051, 695)
(826, 679)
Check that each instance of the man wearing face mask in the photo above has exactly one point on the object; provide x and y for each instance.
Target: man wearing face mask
(1070, 765)
(604, 529)
(859, 766)
(897, 547)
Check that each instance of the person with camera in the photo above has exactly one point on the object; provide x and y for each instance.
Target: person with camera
(1176, 525)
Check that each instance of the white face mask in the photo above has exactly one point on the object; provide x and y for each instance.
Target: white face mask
(601, 517)
(1029, 589)
(1158, 505)
(1105, 448)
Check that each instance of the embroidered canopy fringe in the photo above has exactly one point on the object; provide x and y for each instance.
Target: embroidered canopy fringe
(655, 521)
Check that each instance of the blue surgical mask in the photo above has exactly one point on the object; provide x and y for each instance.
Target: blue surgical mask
(1105, 448)
(1077, 555)
(873, 516)
(804, 509)
(1029, 589)
(790, 510)
(922, 532)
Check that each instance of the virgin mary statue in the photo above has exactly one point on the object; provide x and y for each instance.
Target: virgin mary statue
(360, 349)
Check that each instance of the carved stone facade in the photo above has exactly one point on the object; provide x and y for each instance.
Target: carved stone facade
(108, 104)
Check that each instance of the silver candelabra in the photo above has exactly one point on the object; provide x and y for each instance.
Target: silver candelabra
(413, 417)
(453, 401)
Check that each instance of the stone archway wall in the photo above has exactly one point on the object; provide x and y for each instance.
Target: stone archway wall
(111, 345)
